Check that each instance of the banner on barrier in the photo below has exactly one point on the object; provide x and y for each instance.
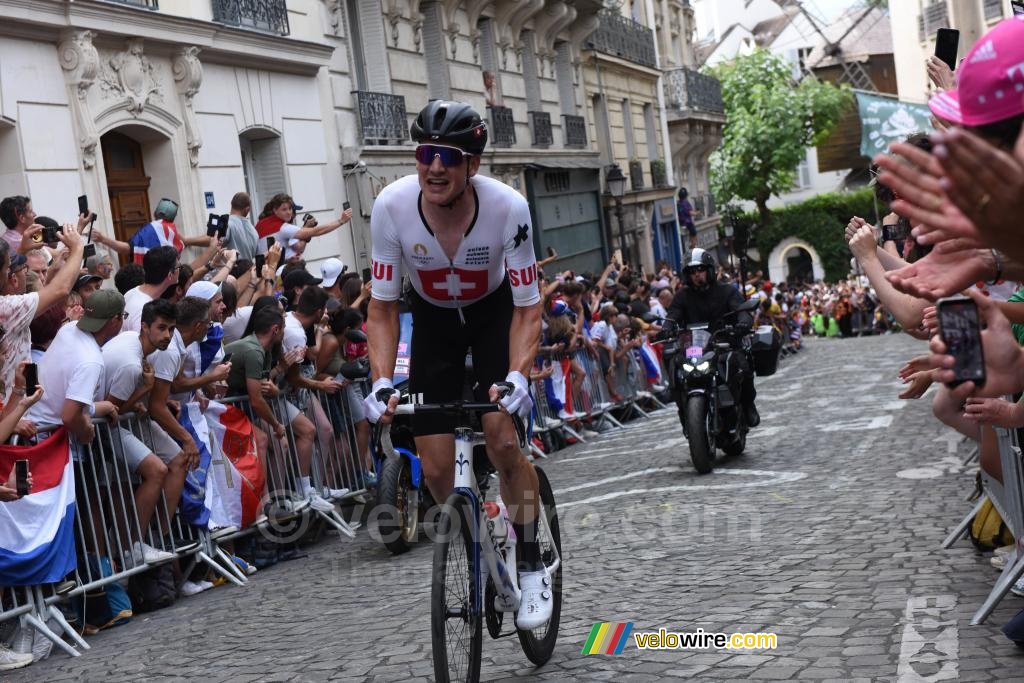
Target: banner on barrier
(236, 480)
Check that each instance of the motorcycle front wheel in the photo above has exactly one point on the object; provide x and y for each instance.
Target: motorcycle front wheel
(702, 447)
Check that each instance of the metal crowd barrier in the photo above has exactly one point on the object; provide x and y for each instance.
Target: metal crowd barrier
(107, 522)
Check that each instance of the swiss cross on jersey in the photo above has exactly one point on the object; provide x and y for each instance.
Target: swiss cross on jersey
(451, 284)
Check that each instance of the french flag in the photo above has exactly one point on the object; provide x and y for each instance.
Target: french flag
(236, 481)
(649, 360)
(37, 531)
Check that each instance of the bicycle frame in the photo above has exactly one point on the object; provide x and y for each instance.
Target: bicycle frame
(494, 565)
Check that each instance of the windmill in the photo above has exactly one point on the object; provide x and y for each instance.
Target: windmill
(854, 72)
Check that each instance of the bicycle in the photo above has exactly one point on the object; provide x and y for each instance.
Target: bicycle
(475, 577)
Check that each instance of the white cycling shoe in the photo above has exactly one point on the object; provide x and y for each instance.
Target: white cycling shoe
(537, 602)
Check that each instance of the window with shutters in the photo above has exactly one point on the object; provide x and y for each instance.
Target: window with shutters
(438, 83)
(531, 81)
(263, 167)
(627, 128)
(604, 136)
(564, 78)
(651, 132)
(368, 45)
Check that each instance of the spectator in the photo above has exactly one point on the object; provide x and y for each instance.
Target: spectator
(38, 264)
(606, 340)
(160, 232)
(86, 284)
(331, 271)
(19, 217)
(18, 310)
(100, 266)
(276, 221)
(685, 212)
(128, 379)
(242, 235)
(72, 368)
(129, 276)
(161, 268)
(295, 283)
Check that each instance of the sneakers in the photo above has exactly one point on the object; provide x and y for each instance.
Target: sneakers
(142, 553)
(318, 503)
(221, 532)
(1018, 588)
(537, 601)
(369, 480)
(1001, 555)
(190, 588)
(327, 493)
(246, 568)
(588, 433)
(9, 659)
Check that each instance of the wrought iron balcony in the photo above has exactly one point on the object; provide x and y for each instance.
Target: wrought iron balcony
(382, 118)
(540, 127)
(636, 175)
(270, 16)
(574, 128)
(503, 127)
(625, 38)
(686, 89)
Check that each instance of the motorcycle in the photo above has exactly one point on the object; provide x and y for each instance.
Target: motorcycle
(707, 371)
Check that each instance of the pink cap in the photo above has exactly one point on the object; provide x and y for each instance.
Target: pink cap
(990, 79)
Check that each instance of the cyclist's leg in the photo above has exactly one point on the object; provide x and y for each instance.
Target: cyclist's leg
(437, 370)
(518, 478)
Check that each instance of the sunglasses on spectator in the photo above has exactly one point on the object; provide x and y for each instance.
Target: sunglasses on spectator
(450, 156)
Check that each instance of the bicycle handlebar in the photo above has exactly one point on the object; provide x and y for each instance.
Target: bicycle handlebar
(461, 408)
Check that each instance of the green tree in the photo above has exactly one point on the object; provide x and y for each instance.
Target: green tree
(770, 121)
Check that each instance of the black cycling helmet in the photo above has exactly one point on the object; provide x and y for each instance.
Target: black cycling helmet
(699, 259)
(450, 123)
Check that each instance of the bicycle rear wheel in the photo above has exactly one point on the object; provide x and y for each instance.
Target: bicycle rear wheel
(455, 623)
(539, 643)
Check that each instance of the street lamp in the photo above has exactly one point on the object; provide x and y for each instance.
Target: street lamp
(615, 182)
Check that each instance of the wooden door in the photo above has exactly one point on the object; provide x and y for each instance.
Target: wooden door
(127, 184)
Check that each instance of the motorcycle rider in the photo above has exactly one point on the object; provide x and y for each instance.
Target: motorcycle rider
(705, 300)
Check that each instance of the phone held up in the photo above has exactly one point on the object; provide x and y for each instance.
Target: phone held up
(367, 275)
(960, 328)
(217, 225)
(261, 260)
(21, 477)
(31, 378)
(947, 43)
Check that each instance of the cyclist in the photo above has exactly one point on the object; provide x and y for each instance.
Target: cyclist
(705, 300)
(464, 242)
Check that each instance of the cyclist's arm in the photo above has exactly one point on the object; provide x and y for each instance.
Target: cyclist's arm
(523, 338)
(524, 333)
(383, 328)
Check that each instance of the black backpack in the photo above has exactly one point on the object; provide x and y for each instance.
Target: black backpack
(152, 590)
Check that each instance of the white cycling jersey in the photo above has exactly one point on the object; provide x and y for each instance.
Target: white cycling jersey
(497, 241)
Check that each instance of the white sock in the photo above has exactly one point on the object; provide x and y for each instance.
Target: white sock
(304, 484)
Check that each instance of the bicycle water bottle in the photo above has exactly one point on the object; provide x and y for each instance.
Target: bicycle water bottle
(497, 522)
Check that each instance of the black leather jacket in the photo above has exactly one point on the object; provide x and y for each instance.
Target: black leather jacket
(690, 306)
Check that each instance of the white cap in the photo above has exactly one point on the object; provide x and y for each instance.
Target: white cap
(203, 289)
(330, 270)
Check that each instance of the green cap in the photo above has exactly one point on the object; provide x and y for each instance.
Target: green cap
(100, 307)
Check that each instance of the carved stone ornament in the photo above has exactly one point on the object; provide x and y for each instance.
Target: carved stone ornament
(81, 63)
(188, 76)
(453, 39)
(393, 18)
(334, 8)
(130, 75)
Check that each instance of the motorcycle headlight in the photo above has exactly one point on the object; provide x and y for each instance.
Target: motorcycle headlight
(687, 367)
(703, 366)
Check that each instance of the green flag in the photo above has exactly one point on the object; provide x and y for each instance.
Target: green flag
(885, 120)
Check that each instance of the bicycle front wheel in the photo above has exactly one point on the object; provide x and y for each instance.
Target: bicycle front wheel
(455, 623)
(539, 643)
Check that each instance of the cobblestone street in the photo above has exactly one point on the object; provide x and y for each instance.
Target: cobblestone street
(826, 532)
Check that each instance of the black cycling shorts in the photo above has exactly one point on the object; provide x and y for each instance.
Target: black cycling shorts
(440, 341)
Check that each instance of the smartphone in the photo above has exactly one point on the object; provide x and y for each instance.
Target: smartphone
(90, 251)
(947, 43)
(367, 276)
(960, 328)
(83, 205)
(226, 359)
(270, 242)
(50, 235)
(551, 251)
(21, 476)
(222, 226)
(31, 378)
(345, 206)
(212, 225)
(261, 260)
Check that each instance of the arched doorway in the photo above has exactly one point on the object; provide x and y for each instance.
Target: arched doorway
(127, 183)
(799, 266)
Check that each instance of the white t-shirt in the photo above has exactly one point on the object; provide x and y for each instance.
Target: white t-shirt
(134, 300)
(16, 314)
(235, 325)
(283, 238)
(497, 241)
(122, 357)
(167, 364)
(72, 368)
(603, 332)
(294, 334)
